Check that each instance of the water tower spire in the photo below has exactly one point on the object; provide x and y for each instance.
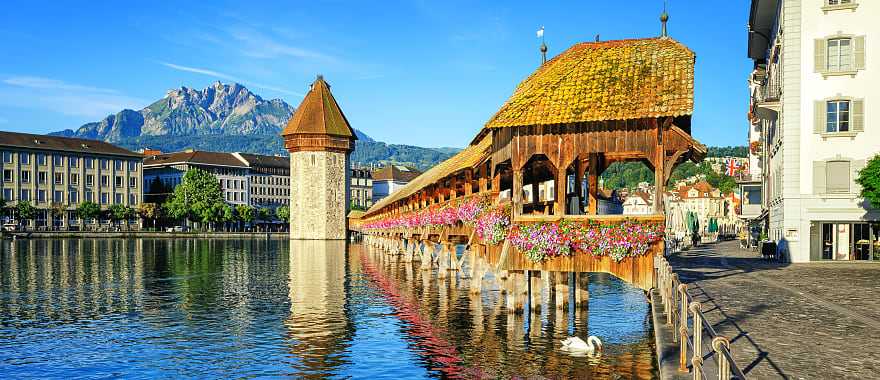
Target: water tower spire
(664, 17)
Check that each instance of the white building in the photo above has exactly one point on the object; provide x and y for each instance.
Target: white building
(638, 203)
(391, 178)
(815, 85)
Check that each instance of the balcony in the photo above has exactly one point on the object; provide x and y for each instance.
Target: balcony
(766, 97)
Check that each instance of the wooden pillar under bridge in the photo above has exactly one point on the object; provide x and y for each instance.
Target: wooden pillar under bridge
(535, 289)
(582, 294)
(427, 256)
(560, 289)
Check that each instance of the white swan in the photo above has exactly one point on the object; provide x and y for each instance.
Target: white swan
(575, 344)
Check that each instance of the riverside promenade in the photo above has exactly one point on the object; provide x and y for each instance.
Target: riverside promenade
(792, 321)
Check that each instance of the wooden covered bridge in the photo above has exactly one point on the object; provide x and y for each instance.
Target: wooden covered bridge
(522, 197)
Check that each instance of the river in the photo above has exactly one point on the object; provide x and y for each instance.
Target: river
(212, 308)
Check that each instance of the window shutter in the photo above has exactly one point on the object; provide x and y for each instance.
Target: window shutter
(819, 55)
(818, 177)
(858, 115)
(819, 116)
(857, 166)
(859, 52)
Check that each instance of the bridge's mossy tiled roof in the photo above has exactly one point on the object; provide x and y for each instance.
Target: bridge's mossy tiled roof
(609, 80)
(467, 158)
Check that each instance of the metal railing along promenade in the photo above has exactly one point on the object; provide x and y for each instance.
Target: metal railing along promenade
(685, 316)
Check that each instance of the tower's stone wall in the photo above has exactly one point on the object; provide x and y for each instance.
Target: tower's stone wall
(318, 195)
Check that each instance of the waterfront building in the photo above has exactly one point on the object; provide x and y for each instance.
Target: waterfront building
(390, 178)
(361, 187)
(268, 178)
(47, 170)
(813, 89)
(163, 172)
(320, 141)
(245, 179)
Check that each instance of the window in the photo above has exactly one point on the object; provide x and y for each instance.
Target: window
(42, 177)
(118, 198)
(837, 177)
(7, 194)
(74, 197)
(58, 160)
(25, 176)
(25, 158)
(90, 180)
(41, 196)
(839, 2)
(837, 119)
(119, 181)
(7, 157)
(89, 162)
(132, 166)
(59, 197)
(132, 199)
(105, 164)
(117, 165)
(41, 159)
(25, 195)
(132, 182)
(105, 197)
(74, 179)
(7, 175)
(73, 162)
(105, 180)
(87, 196)
(840, 55)
(59, 178)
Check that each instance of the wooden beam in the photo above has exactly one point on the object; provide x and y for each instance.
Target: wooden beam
(593, 184)
(561, 193)
(659, 169)
(516, 192)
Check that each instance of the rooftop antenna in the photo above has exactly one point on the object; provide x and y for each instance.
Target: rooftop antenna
(543, 45)
(664, 17)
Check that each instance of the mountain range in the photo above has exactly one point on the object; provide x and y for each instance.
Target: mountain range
(229, 118)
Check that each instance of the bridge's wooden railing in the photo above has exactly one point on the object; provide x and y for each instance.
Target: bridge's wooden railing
(686, 317)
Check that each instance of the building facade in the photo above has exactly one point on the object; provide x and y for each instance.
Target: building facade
(361, 188)
(245, 179)
(813, 90)
(390, 178)
(52, 171)
(268, 178)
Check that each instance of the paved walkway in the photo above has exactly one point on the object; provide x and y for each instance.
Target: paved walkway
(793, 321)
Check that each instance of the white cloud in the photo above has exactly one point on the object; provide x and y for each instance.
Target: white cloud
(258, 45)
(51, 84)
(71, 99)
(219, 75)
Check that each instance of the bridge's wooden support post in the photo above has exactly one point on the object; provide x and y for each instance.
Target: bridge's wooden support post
(427, 256)
(476, 271)
(516, 291)
(444, 259)
(582, 294)
(561, 289)
(561, 184)
(535, 282)
(517, 192)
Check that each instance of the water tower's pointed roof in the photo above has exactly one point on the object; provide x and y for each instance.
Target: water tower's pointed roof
(319, 114)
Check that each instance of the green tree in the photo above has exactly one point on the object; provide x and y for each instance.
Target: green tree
(25, 210)
(198, 197)
(150, 211)
(56, 210)
(355, 206)
(245, 213)
(264, 213)
(283, 213)
(88, 210)
(869, 180)
(118, 212)
(229, 214)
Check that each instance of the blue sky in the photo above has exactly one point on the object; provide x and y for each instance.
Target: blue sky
(427, 73)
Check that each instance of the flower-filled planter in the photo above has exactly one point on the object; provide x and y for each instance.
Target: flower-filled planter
(537, 241)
